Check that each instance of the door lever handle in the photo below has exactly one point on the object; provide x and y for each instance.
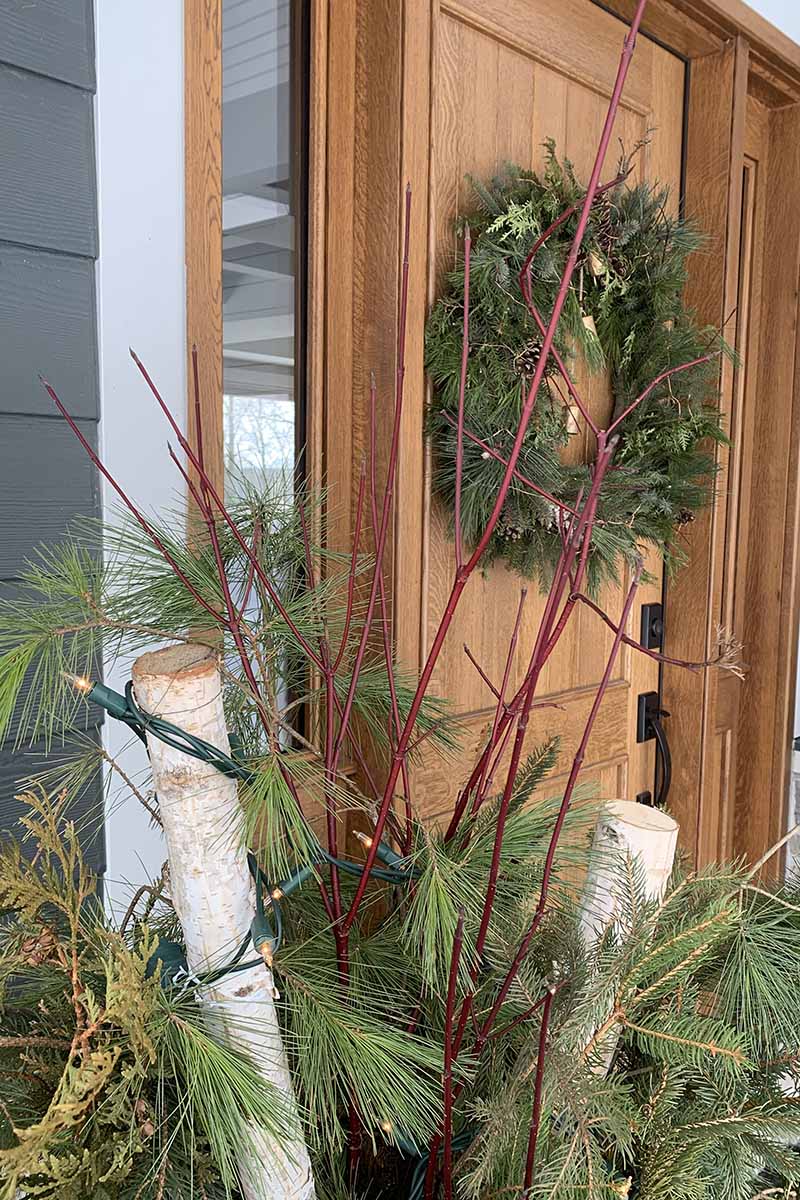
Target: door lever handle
(663, 756)
(649, 727)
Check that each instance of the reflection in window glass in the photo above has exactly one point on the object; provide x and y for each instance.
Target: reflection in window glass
(259, 438)
(259, 211)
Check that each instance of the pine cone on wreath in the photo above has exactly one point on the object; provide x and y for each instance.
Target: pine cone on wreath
(526, 360)
(511, 533)
(604, 223)
(605, 235)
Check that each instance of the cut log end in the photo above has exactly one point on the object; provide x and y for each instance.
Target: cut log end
(186, 660)
(641, 816)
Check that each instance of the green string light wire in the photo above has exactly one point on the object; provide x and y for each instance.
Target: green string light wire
(264, 937)
(417, 1188)
(264, 934)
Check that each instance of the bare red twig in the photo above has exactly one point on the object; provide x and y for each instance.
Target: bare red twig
(579, 597)
(395, 723)
(556, 357)
(140, 519)
(381, 538)
(577, 545)
(481, 672)
(247, 590)
(328, 670)
(537, 1093)
(447, 1126)
(501, 697)
(352, 572)
(695, 362)
(527, 1014)
(525, 273)
(233, 619)
(487, 1026)
(577, 763)
(262, 576)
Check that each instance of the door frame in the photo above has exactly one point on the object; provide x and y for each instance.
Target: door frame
(369, 134)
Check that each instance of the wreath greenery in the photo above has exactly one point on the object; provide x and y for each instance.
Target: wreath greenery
(625, 315)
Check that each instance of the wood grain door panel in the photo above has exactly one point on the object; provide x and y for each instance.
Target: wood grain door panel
(762, 561)
(731, 736)
(505, 77)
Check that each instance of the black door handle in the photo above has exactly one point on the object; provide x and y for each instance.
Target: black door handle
(649, 727)
(664, 758)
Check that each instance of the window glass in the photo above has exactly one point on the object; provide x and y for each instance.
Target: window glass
(261, 220)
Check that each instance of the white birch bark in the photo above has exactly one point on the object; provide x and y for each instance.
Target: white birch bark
(624, 830)
(213, 894)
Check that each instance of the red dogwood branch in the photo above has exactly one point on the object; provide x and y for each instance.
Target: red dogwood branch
(577, 763)
(696, 362)
(447, 1126)
(262, 576)
(486, 1028)
(580, 598)
(536, 1114)
(527, 1014)
(395, 723)
(140, 519)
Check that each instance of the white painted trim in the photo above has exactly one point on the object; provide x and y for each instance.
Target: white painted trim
(141, 301)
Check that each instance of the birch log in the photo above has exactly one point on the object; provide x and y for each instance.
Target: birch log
(213, 895)
(624, 830)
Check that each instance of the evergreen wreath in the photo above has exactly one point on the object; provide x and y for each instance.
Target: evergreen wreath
(624, 314)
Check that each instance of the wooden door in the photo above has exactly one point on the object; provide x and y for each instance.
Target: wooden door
(426, 90)
(506, 75)
(732, 736)
(766, 559)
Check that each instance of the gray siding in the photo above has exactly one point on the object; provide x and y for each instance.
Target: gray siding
(86, 809)
(47, 326)
(46, 483)
(48, 321)
(51, 37)
(47, 186)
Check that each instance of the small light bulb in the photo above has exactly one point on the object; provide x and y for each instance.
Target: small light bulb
(365, 840)
(80, 682)
(277, 894)
(387, 1126)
